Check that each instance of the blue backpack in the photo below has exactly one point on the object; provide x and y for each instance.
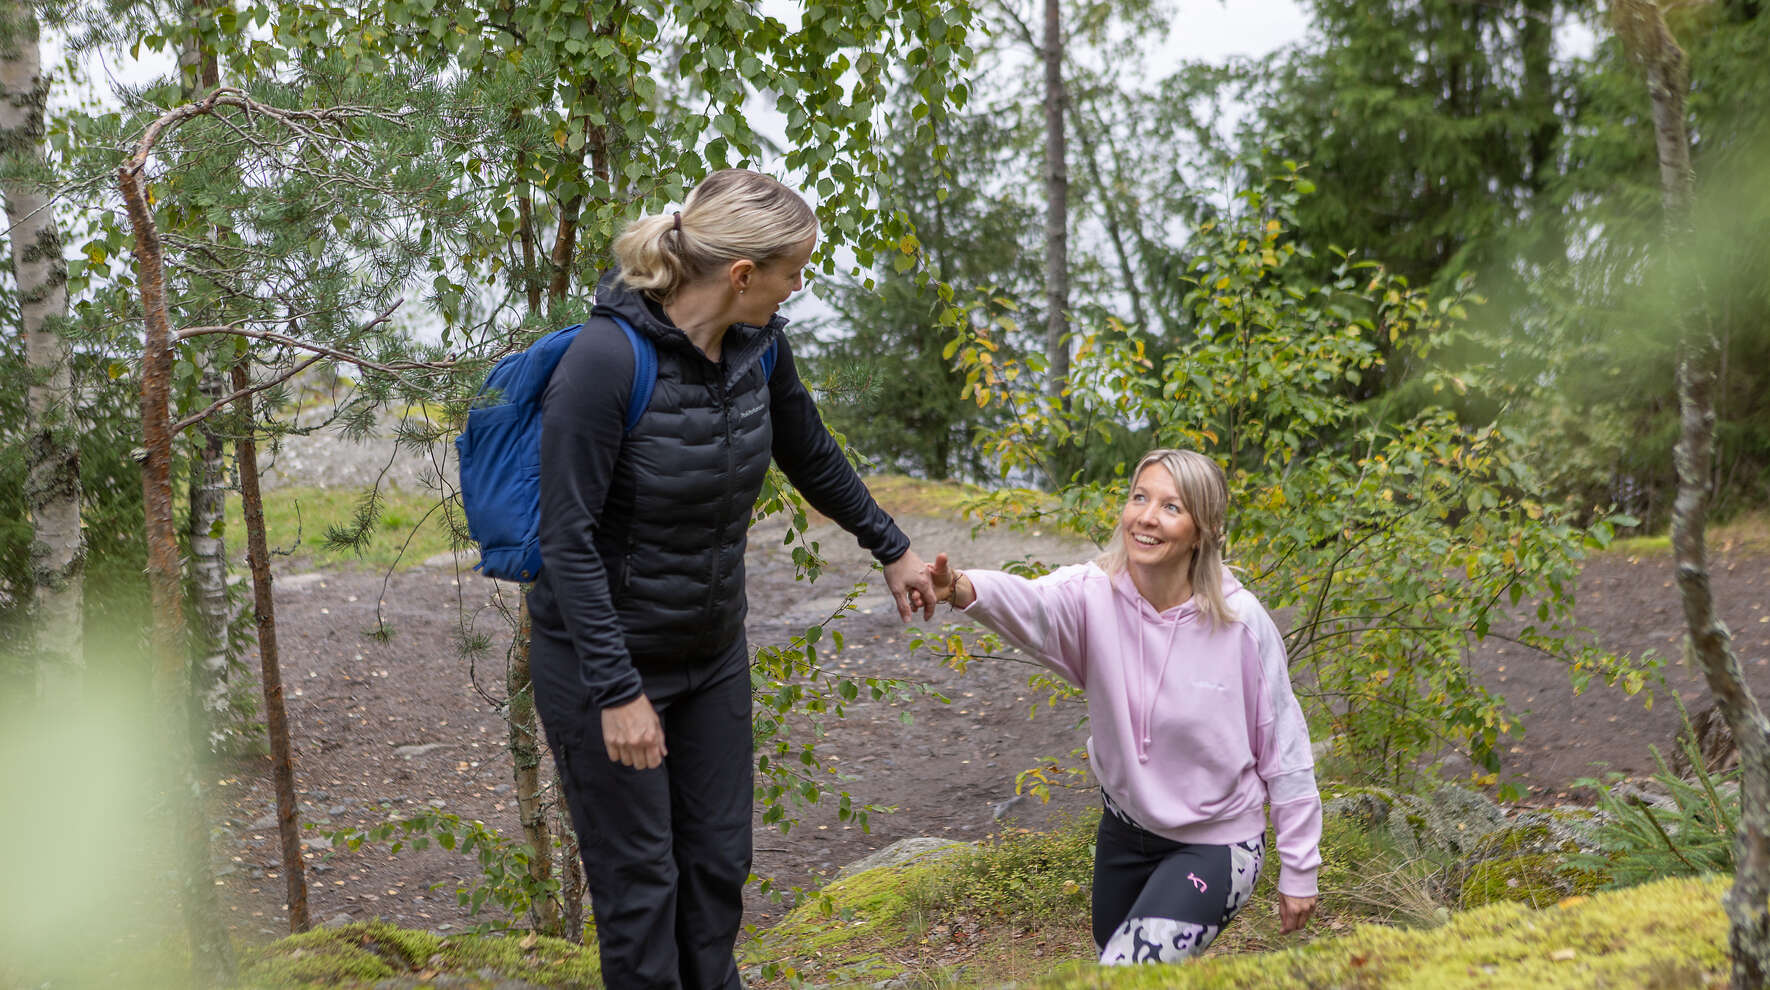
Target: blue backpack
(500, 449)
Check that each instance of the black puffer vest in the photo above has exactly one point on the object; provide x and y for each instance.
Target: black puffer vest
(678, 511)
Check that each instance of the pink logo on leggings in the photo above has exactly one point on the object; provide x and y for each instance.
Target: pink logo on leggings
(1196, 882)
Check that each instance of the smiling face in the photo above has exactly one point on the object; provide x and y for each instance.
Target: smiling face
(766, 285)
(1157, 528)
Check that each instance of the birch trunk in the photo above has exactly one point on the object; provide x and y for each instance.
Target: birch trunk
(1056, 211)
(206, 570)
(52, 448)
(276, 719)
(212, 958)
(1644, 31)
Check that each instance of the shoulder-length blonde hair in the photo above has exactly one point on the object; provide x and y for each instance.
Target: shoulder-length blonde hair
(1205, 493)
(734, 213)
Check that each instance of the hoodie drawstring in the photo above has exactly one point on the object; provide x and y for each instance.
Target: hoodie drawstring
(1149, 697)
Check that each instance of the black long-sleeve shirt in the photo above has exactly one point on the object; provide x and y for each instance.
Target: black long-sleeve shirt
(643, 533)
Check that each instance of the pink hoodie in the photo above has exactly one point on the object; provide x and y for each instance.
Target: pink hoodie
(1195, 728)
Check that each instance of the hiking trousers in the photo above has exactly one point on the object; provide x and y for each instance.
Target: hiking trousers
(667, 851)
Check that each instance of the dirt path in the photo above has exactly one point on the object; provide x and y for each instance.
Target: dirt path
(386, 727)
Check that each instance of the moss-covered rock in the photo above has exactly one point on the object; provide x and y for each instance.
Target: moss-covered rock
(381, 955)
(1446, 822)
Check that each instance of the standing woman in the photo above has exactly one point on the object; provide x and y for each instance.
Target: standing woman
(640, 667)
(1195, 728)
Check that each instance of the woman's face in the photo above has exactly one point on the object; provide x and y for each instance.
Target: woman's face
(772, 282)
(1157, 528)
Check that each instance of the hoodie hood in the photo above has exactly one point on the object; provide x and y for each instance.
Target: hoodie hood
(1126, 589)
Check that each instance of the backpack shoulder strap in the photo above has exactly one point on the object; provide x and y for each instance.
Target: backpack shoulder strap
(770, 357)
(645, 371)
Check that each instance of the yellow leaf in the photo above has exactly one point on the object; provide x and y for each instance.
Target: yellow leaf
(1223, 283)
(559, 136)
(1563, 955)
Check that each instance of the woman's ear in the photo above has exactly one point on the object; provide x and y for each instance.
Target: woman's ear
(740, 272)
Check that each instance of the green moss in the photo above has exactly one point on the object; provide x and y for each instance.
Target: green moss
(1658, 936)
(1529, 880)
(839, 933)
(362, 954)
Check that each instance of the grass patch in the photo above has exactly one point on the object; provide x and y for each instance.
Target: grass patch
(410, 527)
(1749, 531)
(902, 495)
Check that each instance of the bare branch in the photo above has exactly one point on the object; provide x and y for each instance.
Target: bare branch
(238, 394)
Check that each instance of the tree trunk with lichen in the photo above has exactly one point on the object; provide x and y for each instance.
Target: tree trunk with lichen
(52, 446)
(525, 753)
(205, 531)
(1644, 33)
(212, 957)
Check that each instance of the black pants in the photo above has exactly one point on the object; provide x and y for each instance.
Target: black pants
(667, 850)
(1157, 900)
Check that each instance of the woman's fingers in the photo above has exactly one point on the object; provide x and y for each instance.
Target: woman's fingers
(633, 735)
(1294, 912)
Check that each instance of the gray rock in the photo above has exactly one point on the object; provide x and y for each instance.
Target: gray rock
(1556, 831)
(900, 853)
(336, 810)
(1449, 820)
(1005, 808)
(416, 749)
(294, 581)
(339, 920)
(263, 824)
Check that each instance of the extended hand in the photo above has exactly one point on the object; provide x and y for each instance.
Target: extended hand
(633, 734)
(950, 583)
(907, 577)
(1294, 912)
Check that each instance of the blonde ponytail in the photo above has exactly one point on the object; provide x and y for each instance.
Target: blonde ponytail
(733, 214)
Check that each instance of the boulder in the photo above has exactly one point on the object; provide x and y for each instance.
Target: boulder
(899, 853)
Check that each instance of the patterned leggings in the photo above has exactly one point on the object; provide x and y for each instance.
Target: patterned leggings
(1157, 900)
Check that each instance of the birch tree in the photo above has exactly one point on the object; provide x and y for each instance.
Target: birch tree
(53, 451)
(1641, 25)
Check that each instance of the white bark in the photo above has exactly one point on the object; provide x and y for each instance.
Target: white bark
(1642, 27)
(206, 570)
(52, 449)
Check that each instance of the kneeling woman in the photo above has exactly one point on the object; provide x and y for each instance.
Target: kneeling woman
(1195, 728)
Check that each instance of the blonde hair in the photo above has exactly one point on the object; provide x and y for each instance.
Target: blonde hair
(1205, 493)
(733, 214)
